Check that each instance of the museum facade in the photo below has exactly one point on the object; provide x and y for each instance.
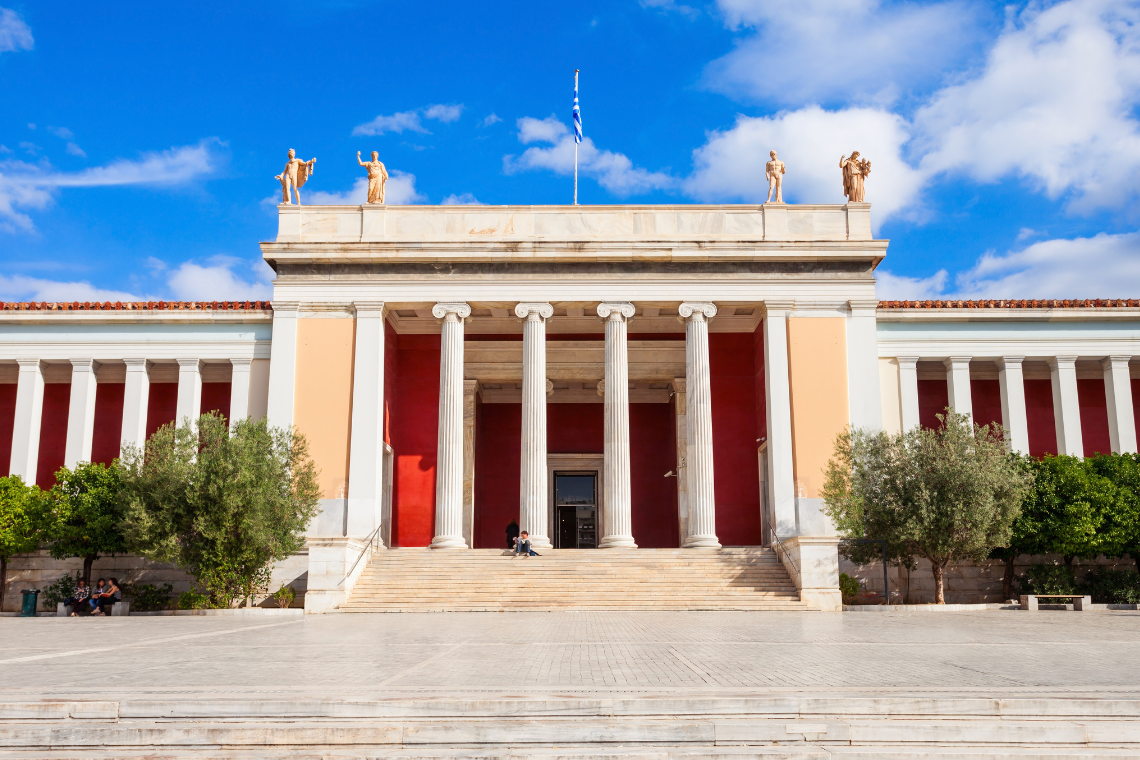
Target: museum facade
(605, 376)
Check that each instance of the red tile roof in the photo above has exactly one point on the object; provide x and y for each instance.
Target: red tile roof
(1088, 303)
(137, 306)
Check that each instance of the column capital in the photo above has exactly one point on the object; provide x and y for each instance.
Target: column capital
(187, 364)
(535, 310)
(1062, 362)
(956, 361)
(244, 363)
(678, 385)
(470, 387)
(138, 365)
(285, 309)
(778, 307)
(699, 310)
(863, 307)
(1009, 361)
(374, 309)
(1114, 361)
(910, 362)
(29, 364)
(84, 365)
(443, 310)
(616, 310)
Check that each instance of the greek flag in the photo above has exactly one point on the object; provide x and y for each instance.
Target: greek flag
(577, 114)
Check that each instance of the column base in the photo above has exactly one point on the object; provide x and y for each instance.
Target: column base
(701, 542)
(617, 542)
(540, 542)
(448, 542)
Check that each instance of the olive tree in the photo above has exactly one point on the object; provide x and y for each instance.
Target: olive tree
(223, 504)
(86, 514)
(22, 520)
(944, 495)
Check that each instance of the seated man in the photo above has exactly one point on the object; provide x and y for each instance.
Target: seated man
(78, 597)
(522, 546)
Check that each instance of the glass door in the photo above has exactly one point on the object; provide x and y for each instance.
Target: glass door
(576, 510)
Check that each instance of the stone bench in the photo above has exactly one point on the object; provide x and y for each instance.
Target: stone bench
(118, 609)
(1080, 603)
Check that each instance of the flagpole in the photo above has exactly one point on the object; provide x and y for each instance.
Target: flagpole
(575, 142)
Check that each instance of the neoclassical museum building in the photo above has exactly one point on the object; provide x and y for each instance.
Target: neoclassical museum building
(610, 377)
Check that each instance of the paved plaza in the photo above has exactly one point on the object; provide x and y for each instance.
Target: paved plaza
(343, 656)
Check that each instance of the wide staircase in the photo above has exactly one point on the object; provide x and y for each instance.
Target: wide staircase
(480, 580)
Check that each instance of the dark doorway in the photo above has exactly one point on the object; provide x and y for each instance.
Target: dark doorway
(576, 510)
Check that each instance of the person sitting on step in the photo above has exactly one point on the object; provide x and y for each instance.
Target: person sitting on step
(522, 546)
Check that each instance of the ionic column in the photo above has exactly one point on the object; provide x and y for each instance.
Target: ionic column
(80, 412)
(470, 395)
(702, 499)
(1066, 405)
(908, 391)
(1118, 393)
(26, 423)
(958, 385)
(778, 398)
(282, 364)
(532, 464)
(136, 396)
(682, 435)
(189, 391)
(616, 504)
(449, 457)
(239, 389)
(1011, 383)
(366, 446)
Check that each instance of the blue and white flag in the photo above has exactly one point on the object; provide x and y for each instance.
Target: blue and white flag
(577, 114)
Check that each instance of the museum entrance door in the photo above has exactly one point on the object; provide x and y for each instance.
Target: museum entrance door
(576, 510)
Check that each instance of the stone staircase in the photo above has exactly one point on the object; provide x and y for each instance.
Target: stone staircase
(488, 580)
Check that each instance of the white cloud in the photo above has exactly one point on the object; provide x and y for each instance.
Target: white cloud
(61, 132)
(840, 50)
(408, 120)
(75, 150)
(216, 281)
(730, 165)
(399, 190)
(671, 5)
(14, 33)
(463, 199)
(25, 186)
(491, 119)
(21, 288)
(892, 287)
(613, 171)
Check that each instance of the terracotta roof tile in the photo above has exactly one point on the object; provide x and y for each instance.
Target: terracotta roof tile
(1087, 303)
(136, 306)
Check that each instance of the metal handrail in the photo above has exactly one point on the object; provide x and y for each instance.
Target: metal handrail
(374, 536)
(781, 548)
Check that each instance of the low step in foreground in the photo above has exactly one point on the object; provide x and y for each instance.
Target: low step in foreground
(422, 580)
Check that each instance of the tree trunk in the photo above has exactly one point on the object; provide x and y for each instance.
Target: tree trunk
(88, 561)
(1069, 560)
(3, 579)
(1007, 579)
(936, 569)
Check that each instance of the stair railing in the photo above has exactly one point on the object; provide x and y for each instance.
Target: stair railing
(369, 543)
(781, 549)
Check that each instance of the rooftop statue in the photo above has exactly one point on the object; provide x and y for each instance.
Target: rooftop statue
(854, 172)
(377, 177)
(774, 172)
(296, 173)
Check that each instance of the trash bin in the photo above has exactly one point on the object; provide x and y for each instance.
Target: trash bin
(31, 601)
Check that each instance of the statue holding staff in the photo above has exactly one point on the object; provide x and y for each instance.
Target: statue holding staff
(854, 172)
(377, 177)
(774, 172)
(295, 174)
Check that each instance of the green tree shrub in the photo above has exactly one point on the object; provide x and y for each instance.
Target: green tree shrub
(284, 596)
(149, 597)
(224, 505)
(849, 588)
(59, 592)
(86, 514)
(1111, 586)
(23, 518)
(1047, 578)
(947, 494)
(193, 600)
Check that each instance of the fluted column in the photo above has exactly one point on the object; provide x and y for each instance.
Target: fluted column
(80, 412)
(532, 465)
(908, 391)
(136, 397)
(1066, 405)
(449, 458)
(1011, 384)
(1118, 393)
(26, 422)
(617, 532)
(702, 499)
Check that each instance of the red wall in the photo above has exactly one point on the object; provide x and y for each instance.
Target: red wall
(574, 429)
(736, 475)
(986, 398)
(53, 432)
(1039, 415)
(7, 421)
(216, 398)
(1094, 417)
(758, 387)
(108, 422)
(414, 428)
(498, 428)
(161, 406)
(652, 453)
(933, 398)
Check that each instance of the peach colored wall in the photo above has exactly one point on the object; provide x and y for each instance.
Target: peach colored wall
(817, 370)
(322, 405)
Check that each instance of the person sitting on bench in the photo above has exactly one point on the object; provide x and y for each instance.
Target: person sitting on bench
(111, 594)
(78, 597)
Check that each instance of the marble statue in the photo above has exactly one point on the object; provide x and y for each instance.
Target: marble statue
(377, 177)
(774, 171)
(854, 172)
(296, 173)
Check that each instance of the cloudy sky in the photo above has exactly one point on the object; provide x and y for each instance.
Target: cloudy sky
(138, 142)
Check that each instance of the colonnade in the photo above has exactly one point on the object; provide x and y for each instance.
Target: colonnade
(1066, 405)
(81, 407)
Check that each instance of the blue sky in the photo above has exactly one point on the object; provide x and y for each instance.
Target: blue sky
(138, 145)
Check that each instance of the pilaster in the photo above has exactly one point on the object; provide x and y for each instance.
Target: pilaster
(81, 412)
(1066, 405)
(1118, 394)
(239, 389)
(136, 396)
(682, 435)
(908, 392)
(26, 422)
(777, 391)
(283, 364)
(189, 391)
(958, 385)
(366, 448)
(1011, 383)
(470, 397)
